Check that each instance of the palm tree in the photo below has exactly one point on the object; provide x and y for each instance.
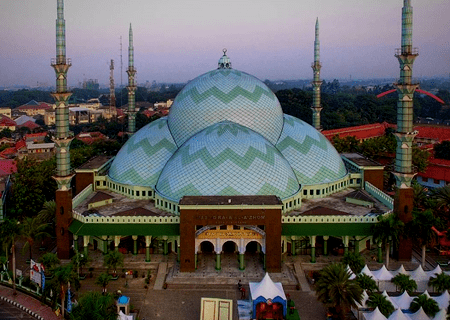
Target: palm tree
(103, 280)
(11, 230)
(420, 194)
(366, 283)
(383, 304)
(421, 226)
(440, 283)
(50, 261)
(94, 306)
(389, 228)
(429, 306)
(63, 276)
(80, 260)
(404, 283)
(442, 196)
(33, 229)
(336, 290)
(48, 212)
(113, 260)
(354, 261)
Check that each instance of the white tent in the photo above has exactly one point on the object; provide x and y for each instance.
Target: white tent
(403, 301)
(398, 315)
(389, 299)
(123, 316)
(401, 270)
(426, 294)
(382, 274)
(267, 289)
(419, 275)
(374, 315)
(363, 301)
(419, 315)
(367, 271)
(352, 275)
(434, 272)
(443, 300)
(441, 315)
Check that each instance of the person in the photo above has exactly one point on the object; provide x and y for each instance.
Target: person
(239, 285)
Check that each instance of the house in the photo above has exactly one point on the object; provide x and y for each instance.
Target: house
(33, 108)
(7, 123)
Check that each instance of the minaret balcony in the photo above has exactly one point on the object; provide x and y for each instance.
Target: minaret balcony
(316, 64)
(400, 52)
(61, 61)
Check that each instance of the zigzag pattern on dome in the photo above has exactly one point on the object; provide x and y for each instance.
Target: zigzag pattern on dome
(142, 158)
(227, 159)
(221, 95)
(312, 157)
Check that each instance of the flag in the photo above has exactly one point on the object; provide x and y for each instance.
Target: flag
(69, 299)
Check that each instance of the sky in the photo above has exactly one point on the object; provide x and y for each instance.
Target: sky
(177, 40)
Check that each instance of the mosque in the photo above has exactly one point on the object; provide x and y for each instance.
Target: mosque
(225, 171)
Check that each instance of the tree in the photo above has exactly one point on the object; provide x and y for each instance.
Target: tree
(336, 291)
(383, 304)
(113, 260)
(50, 261)
(10, 232)
(80, 260)
(94, 306)
(366, 283)
(429, 306)
(442, 197)
(421, 226)
(404, 283)
(354, 261)
(63, 276)
(420, 159)
(33, 229)
(420, 194)
(440, 283)
(48, 212)
(388, 228)
(103, 280)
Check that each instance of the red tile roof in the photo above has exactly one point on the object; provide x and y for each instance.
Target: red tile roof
(8, 152)
(91, 137)
(42, 105)
(6, 122)
(359, 132)
(20, 144)
(36, 135)
(435, 133)
(30, 125)
(149, 113)
(438, 169)
(7, 167)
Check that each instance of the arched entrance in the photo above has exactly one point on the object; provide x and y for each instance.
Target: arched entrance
(207, 247)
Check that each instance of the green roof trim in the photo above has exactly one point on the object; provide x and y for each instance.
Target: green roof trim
(327, 229)
(124, 229)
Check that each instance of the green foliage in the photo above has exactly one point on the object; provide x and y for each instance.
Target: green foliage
(384, 305)
(103, 279)
(95, 306)
(420, 195)
(33, 185)
(113, 260)
(335, 289)
(442, 150)
(420, 159)
(354, 260)
(441, 282)
(80, 260)
(442, 197)
(48, 215)
(428, 305)
(63, 275)
(346, 144)
(421, 226)
(404, 283)
(17, 98)
(5, 133)
(387, 230)
(50, 261)
(366, 283)
(33, 229)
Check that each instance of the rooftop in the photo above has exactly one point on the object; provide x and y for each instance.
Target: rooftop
(95, 163)
(360, 160)
(230, 200)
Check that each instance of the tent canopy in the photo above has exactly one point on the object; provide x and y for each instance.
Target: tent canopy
(265, 290)
(374, 315)
(383, 274)
(403, 301)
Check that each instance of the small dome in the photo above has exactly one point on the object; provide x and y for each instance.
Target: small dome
(141, 159)
(227, 159)
(224, 61)
(310, 154)
(221, 95)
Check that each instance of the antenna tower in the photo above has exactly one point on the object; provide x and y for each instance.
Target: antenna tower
(112, 95)
(121, 72)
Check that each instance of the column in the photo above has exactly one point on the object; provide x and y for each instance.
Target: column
(345, 240)
(380, 253)
(313, 249)
(166, 248)
(134, 244)
(75, 243)
(86, 244)
(178, 249)
(357, 244)
(195, 260)
(293, 249)
(116, 243)
(148, 241)
(325, 245)
(241, 255)
(105, 244)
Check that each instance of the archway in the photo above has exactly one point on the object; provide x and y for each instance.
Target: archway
(251, 247)
(229, 247)
(206, 247)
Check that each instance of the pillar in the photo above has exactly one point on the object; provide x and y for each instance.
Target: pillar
(313, 249)
(293, 249)
(148, 241)
(75, 243)
(166, 247)
(135, 249)
(357, 245)
(105, 244)
(325, 245)
(345, 240)
(86, 244)
(380, 253)
(116, 243)
(218, 262)
(195, 261)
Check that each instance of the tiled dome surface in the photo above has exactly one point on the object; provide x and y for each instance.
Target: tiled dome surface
(142, 158)
(227, 159)
(310, 154)
(225, 94)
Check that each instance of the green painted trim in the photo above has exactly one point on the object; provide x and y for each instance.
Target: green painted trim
(329, 229)
(123, 229)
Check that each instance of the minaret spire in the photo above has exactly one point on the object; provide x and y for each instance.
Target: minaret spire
(131, 86)
(316, 66)
(403, 171)
(62, 138)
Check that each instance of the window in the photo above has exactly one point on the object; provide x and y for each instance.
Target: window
(311, 192)
(305, 192)
(424, 179)
(317, 192)
(143, 193)
(224, 227)
(137, 193)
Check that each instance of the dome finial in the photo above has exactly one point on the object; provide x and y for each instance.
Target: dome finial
(224, 61)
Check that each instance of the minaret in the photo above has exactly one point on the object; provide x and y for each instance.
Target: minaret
(62, 139)
(131, 87)
(403, 172)
(316, 66)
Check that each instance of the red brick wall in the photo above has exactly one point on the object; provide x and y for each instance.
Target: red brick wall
(375, 177)
(403, 205)
(82, 180)
(63, 219)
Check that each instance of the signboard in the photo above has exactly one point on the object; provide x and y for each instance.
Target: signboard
(36, 272)
(216, 309)
(230, 234)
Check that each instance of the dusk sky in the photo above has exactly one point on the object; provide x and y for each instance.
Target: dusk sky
(177, 40)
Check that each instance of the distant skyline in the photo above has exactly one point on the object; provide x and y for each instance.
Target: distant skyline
(177, 40)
